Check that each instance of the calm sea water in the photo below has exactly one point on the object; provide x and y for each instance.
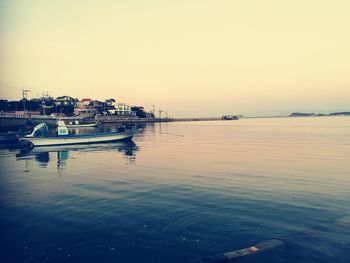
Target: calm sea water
(182, 191)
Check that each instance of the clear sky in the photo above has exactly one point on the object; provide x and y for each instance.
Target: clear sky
(191, 57)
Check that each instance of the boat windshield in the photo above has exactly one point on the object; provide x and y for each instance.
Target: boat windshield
(40, 130)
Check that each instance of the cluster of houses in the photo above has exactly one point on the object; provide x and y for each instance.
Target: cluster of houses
(89, 108)
(86, 108)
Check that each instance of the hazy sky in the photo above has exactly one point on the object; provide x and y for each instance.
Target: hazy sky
(194, 58)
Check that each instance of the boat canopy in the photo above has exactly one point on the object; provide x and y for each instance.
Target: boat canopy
(61, 128)
(40, 130)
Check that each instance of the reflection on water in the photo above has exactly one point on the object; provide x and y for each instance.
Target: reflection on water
(195, 189)
(42, 158)
(61, 154)
(106, 127)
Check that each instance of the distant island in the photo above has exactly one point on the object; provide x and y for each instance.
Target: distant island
(303, 114)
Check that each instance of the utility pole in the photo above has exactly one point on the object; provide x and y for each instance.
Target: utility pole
(152, 111)
(160, 113)
(25, 97)
(166, 114)
(43, 102)
(45, 94)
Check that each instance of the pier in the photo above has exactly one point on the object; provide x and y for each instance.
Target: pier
(119, 119)
(11, 120)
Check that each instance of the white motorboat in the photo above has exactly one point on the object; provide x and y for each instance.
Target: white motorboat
(40, 136)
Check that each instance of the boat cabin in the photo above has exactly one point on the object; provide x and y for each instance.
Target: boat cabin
(61, 128)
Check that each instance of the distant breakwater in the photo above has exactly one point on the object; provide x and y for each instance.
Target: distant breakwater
(118, 119)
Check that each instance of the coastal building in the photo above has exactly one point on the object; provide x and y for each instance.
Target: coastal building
(69, 106)
(85, 112)
(98, 105)
(86, 108)
(122, 109)
(109, 106)
(63, 105)
(66, 101)
(85, 102)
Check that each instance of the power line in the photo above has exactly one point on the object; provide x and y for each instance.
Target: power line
(160, 113)
(25, 97)
(25, 93)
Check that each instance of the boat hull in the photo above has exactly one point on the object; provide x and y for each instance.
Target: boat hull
(78, 139)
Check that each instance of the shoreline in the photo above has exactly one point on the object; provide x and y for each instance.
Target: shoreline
(17, 121)
(8, 121)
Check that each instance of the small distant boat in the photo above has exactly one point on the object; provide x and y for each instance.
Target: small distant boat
(230, 117)
(40, 136)
(76, 124)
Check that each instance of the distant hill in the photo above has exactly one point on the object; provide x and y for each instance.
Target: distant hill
(303, 114)
(344, 113)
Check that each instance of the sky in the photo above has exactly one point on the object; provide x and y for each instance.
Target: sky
(193, 58)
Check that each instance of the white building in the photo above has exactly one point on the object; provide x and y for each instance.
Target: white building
(122, 109)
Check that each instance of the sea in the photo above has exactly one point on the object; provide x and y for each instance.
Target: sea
(182, 191)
